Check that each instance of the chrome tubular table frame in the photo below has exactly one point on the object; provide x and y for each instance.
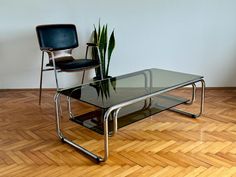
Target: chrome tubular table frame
(114, 110)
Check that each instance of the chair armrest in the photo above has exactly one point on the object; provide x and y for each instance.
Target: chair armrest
(46, 49)
(91, 44)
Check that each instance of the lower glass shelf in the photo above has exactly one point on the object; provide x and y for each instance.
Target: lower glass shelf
(129, 114)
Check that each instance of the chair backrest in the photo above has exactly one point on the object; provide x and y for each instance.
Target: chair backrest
(57, 36)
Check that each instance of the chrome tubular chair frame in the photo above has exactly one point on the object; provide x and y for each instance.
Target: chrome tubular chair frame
(114, 110)
(58, 41)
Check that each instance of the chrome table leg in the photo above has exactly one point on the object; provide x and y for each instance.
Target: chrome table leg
(65, 139)
(115, 122)
(71, 115)
(201, 104)
(193, 94)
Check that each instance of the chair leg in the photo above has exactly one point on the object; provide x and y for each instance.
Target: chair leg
(86, 55)
(55, 70)
(40, 88)
(55, 74)
(56, 79)
(41, 79)
(83, 77)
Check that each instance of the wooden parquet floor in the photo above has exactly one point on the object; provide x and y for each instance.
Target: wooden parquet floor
(166, 144)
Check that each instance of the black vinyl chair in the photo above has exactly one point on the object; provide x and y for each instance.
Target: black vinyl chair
(58, 41)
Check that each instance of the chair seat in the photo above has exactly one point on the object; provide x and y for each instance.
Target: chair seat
(76, 64)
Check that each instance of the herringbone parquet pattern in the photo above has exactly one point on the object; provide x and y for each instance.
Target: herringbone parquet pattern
(167, 144)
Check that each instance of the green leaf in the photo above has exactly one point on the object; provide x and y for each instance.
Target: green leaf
(111, 47)
(102, 47)
(99, 29)
(105, 47)
(95, 52)
(95, 35)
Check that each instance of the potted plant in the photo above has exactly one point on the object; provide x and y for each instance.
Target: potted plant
(103, 50)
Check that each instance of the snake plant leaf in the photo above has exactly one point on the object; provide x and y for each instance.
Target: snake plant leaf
(99, 29)
(101, 51)
(95, 51)
(111, 47)
(102, 39)
(102, 48)
(95, 35)
(111, 44)
(105, 46)
(95, 54)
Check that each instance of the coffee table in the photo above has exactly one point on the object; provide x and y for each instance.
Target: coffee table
(126, 99)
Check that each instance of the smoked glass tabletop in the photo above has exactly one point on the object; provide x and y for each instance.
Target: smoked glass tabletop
(115, 90)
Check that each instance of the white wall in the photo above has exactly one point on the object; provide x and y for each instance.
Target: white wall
(195, 36)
